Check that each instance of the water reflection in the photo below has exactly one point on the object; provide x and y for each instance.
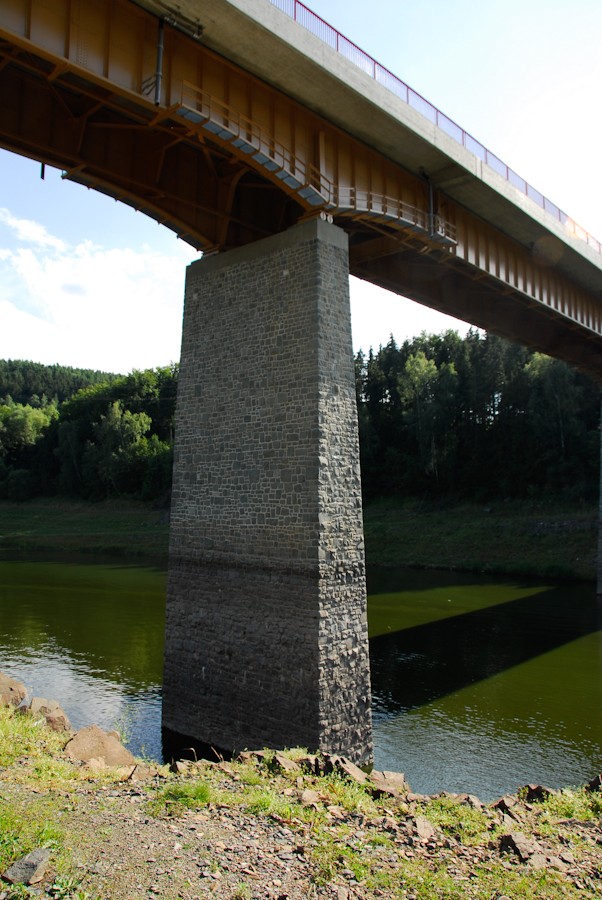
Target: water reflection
(87, 631)
(479, 684)
(490, 698)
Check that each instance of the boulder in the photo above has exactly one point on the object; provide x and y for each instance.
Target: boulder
(29, 869)
(12, 692)
(93, 743)
(392, 784)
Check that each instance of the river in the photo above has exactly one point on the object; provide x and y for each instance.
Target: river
(480, 684)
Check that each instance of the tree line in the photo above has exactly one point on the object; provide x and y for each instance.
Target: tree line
(477, 418)
(474, 418)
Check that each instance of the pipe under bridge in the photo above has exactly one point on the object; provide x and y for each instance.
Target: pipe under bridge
(261, 136)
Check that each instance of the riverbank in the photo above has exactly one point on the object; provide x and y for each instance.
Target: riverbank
(110, 526)
(268, 828)
(507, 538)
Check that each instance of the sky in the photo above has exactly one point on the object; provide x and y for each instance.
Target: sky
(88, 282)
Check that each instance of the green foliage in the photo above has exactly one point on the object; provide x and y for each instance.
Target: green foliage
(181, 795)
(113, 437)
(466, 824)
(475, 417)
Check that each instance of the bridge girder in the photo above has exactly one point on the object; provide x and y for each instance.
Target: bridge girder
(225, 160)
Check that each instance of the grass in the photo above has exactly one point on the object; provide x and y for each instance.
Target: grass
(109, 526)
(336, 851)
(506, 538)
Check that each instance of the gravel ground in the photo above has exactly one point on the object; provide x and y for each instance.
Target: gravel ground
(131, 839)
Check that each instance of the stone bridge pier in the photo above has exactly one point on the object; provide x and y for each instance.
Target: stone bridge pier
(266, 634)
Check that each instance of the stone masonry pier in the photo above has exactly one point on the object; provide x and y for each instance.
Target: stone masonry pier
(266, 633)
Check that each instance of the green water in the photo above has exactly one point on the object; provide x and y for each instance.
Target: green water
(479, 684)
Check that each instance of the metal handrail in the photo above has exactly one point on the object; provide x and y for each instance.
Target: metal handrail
(321, 29)
(236, 129)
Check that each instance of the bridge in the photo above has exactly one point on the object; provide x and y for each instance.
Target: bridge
(263, 137)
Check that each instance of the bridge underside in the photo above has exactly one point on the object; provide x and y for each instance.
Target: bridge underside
(226, 160)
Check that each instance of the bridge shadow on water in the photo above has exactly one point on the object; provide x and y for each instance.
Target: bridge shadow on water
(420, 664)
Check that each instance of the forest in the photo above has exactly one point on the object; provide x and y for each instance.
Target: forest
(475, 418)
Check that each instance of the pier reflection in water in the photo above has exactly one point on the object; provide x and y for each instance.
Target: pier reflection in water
(479, 683)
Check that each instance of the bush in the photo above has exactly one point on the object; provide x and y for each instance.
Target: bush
(20, 485)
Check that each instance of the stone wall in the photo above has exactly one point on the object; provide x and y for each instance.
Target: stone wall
(266, 631)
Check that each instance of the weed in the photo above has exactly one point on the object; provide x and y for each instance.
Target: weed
(468, 825)
(241, 891)
(67, 887)
(181, 796)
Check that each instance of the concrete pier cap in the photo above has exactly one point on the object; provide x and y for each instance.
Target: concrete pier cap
(266, 629)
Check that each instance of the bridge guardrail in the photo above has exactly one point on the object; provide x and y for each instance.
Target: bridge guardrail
(205, 111)
(321, 29)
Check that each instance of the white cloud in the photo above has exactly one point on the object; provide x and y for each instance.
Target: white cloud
(108, 309)
(32, 232)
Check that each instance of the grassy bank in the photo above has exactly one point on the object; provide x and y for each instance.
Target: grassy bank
(265, 828)
(112, 526)
(515, 538)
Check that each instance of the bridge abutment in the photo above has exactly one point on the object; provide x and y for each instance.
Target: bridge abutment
(266, 631)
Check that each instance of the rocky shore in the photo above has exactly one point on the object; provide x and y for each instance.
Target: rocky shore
(81, 818)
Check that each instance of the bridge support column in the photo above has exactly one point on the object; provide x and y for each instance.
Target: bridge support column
(266, 633)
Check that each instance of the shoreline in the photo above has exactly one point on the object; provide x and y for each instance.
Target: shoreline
(277, 826)
(515, 539)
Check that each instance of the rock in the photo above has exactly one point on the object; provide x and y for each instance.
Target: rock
(115, 734)
(42, 707)
(181, 766)
(595, 784)
(473, 802)
(12, 692)
(536, 793)
(56, 718)
(520, 844)
(29, 869)
(424, 828)
(59, 722)
(93, 743)
(505, 803)
(143, 773)
(285, 764)
(391, 783)
(344, 767)
(538, 861)
(310, 798)
(310, 763)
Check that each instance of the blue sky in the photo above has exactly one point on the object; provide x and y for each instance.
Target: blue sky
(85, 281)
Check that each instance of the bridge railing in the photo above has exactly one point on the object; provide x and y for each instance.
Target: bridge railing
(316, 25)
